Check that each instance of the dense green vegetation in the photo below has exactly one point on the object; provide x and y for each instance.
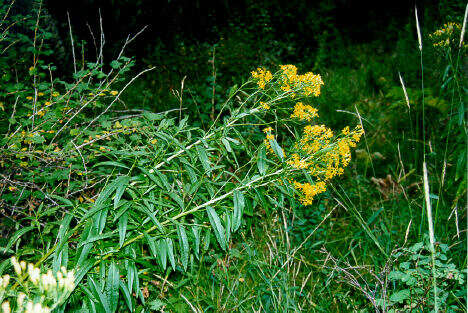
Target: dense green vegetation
(209, 174)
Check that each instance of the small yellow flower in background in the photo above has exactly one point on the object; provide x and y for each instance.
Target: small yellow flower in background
(154, 141)
(29, 98)
(40, 94)
(264, 105)
(267, 130)
(449, 32)
(47, 103)
(90, 94)
(41, 113)
(114, 92)
(55, 94)
(241, 279)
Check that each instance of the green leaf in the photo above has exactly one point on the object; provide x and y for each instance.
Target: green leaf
(232, 91)
(226, 145)
(151, 216)
(131, 273)
(83, 269)
(203, 156)
(196, 234)
(156, 305)
(152, 116)
(17, 236)
(206, 239)
(218, 228)
(400, 296)
(170, 252)
(112, 286)
(127, 296)
(123, 221)
(115, 64)
(277, 149)
(111, 163)
(104, 195)
(100, 296)
(152, 245)
(239, 205)
(261, 161)
(96, 238)
(61, 238)
(184, 246)
(120, 190)
(162, 252)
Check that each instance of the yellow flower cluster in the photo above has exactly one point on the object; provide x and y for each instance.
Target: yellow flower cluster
(102, 93)
(309, 191)
(264, 105)
(443, 36)
(269, 136)
(304, 112)
(318, 152)
(308, 84)
(322, 158)
(262, 76)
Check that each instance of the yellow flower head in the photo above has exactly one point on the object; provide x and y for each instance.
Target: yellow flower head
(262, 76)
(304, 112)
(264, 105)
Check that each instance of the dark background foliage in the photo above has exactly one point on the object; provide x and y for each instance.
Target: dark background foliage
(300, 22)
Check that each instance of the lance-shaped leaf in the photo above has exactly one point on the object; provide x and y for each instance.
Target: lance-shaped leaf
(239, 204)
(218, 228)
(184, 246)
